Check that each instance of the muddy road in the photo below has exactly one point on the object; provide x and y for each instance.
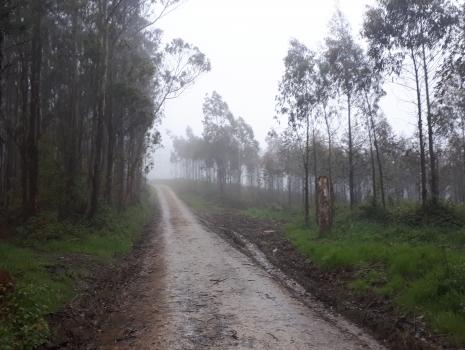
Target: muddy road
(200, 292)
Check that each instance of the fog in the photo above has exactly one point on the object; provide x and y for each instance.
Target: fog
(246, 42)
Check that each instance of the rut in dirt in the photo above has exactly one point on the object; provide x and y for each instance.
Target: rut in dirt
(209, 295)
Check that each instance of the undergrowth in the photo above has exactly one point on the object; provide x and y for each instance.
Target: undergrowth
(421, 268)
(46, 258)
(413, 255)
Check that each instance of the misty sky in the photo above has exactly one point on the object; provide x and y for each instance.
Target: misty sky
(246, 41)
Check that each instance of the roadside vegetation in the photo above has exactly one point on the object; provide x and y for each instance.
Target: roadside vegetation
(417, 261)
(420, 267)
(50, 259)
(399, 223)
(82, 91)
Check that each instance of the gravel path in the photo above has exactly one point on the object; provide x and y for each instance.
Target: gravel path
(205, 294)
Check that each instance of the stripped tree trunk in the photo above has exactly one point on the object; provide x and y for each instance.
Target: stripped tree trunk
(325, 214)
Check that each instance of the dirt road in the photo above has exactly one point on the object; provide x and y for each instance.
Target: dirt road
(205, 294)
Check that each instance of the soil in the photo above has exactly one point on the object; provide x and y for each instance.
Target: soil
(374, 313)
(186, 287)
(95, 318)
(222, 280)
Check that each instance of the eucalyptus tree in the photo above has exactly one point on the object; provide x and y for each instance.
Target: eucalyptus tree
(247, 148)
(417, 29)
(324, 89)
(345, 58)
(434, 21)
(371, 93)
(290, 147)
(450, 96)
(391, 41)
(82, 89)
(218, 132)
(296, 99)
(227, 144)
(273, 168)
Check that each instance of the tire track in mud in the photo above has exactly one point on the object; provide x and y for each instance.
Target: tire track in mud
(197, 291)
(209, 295)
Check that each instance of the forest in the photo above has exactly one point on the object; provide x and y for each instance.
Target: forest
(82, 91)
(83, 85)
(396, 217)
(233, 250)
(329, 105)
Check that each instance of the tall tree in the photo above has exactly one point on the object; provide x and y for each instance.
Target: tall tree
(345, 57)
(296, 99)
(419, 30)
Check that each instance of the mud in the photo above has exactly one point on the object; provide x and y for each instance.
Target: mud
(102, 313)
(260, 238)
(186, 287)
(206, 294)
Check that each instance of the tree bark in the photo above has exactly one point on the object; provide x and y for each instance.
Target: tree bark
(70, 130)
(306, 170)
(351, 154)
(101, 107)
(330, 156)
(34, 116)
(315, 169)
(111, 143)
(372, 126)
(373, 168)
(424, 191)
(429, 119)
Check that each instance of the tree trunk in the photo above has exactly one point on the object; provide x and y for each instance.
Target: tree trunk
(101, 108)
(111, 142)
(351, 154)
(24, 126)
(325, 215)
(330, 156)
(462, 124)
(306, 175)
(424, 191)
(34, 116)
(429, 119)
(289, 191)
(315, 170)
(373, 167)
(372, 126)
(71, 132)
(380, 164)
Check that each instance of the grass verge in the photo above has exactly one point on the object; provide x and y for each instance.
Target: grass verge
(423, 277)
(419, 267)
(47, 258)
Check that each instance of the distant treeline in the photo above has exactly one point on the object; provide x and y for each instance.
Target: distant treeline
(82, 85)
(330, 98)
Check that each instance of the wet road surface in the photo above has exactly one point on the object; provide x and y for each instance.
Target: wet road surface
(209, 295)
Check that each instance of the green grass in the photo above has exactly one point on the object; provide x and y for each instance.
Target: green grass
(420, 276)
(421, 268)
(202, 203)
(46, 258)
(419, 265)
(272, 213)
